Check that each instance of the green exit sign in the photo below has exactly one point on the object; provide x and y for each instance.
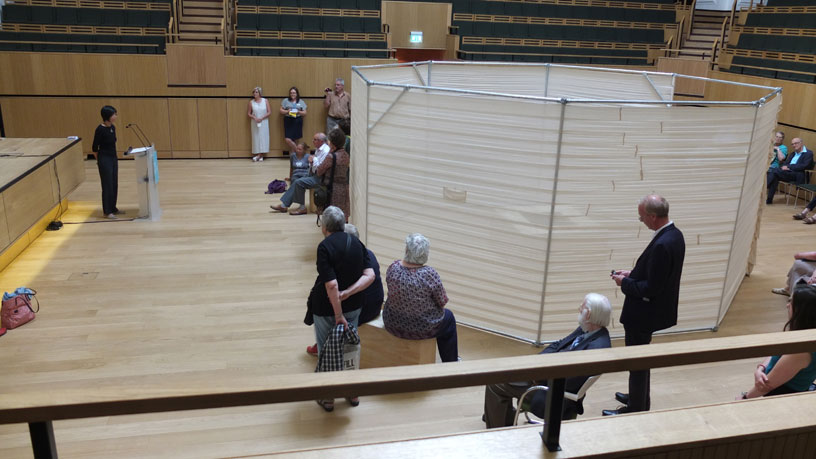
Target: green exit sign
(416, 37)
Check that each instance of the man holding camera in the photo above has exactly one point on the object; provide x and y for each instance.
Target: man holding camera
(338, 103)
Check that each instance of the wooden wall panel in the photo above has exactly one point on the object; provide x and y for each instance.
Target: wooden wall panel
(69, 165)
(432, 19)
(28, 200)
(212, 127)
(5, 240)
(195, 64)
(239, 137)
(75, 74)
(695, 67)
(183, 115)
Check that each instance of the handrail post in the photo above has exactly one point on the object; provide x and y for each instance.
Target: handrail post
(553, 412)
(42, 440)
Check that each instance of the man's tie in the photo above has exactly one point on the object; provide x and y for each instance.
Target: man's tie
(576, 342)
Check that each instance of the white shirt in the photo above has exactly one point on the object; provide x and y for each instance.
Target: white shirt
(661, 229)
(320, 155)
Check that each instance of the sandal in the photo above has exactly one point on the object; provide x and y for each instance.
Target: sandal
(327, 405)
(809, 220)
(800, 216)
(353, 401)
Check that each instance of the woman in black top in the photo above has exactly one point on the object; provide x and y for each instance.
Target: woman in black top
(104, 144)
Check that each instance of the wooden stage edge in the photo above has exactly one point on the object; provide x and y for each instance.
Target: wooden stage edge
(35, 177)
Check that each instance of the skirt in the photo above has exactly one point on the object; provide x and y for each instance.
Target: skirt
(293, 127)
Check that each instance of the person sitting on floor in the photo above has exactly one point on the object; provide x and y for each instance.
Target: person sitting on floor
(789, 373)
(803, 271)
(593, 318)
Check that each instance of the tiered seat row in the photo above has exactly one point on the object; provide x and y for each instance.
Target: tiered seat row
(569, 31)
(775, 42)
(85, 26)
(308, 19)
(300, 30)
(310, 44)
(86, 39)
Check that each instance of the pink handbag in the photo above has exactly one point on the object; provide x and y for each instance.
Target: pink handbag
(17, 311)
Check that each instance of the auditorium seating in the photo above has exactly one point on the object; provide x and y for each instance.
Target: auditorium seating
(85, 26)
(775, 41)
(309, 28)
(566, 31)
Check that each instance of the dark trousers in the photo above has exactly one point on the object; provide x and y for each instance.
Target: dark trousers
(639, 399)
(812, 204)
(498, 403)
(109, 176)
(446, 340)
(776, 175)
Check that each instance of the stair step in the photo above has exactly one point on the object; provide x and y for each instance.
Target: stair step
(206, 20)
(188, 11)
(199, 28)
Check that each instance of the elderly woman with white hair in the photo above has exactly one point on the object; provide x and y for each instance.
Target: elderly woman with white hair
(593, 317)
(415, 307)
(342, 275)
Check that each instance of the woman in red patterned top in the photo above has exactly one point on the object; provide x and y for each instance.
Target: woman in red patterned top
(415, 308)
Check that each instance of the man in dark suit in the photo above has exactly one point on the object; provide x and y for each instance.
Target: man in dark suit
(593, 318)
(652, 290)
(792, 170)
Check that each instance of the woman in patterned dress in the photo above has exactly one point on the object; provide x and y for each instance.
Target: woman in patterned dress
(415, 308)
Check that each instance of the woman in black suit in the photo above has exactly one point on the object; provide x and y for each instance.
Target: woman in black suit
(104, 144)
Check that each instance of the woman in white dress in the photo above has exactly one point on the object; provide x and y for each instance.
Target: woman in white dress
(258, 110)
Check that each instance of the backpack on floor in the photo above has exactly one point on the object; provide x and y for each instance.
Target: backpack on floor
(276, 186)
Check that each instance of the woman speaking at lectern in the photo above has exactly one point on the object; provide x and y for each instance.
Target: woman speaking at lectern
(104, 144)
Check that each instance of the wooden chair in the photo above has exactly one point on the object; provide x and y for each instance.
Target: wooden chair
(568, 413)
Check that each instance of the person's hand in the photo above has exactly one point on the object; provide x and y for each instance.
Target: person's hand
(624, 272)
(618, 278)
(785, 168)
(344, 294)
(341, 320)
(311, 159)
(288, 179)
(812, 279)
(761, 380)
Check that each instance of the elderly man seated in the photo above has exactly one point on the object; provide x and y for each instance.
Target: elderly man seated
(593, 318)
(803, 271)
(792, 170)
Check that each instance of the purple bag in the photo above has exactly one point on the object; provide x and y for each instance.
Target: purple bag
(276, 186)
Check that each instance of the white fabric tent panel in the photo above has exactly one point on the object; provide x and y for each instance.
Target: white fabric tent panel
(358, 178)
(476, 173)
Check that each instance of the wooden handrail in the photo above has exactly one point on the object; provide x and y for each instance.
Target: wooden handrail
(691, 16)
(173, 392)
(714, 47)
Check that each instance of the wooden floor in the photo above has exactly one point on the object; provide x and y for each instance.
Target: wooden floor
(219, 285)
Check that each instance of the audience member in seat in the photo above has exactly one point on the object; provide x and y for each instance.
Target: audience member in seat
(803, 271)
(778, 150)
(415, 307)
(789, 373)
(792, 170)
(593, 318)
(373, 294)
(298, 163)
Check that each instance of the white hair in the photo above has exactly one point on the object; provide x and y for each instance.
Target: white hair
(341, 81)
(417, 247)
(333, 219)
(351, 229)
(600, 310)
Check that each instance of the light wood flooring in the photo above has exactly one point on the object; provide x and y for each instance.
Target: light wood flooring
(219, 285)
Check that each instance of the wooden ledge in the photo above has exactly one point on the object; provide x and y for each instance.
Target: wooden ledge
(189, 391)
(726, 427)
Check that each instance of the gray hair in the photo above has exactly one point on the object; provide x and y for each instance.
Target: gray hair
(257, 88)
(655, 205)
(351, 229)
(333, 219)
(321, 136)
(341, 81)
(417, 247)
(600, 310)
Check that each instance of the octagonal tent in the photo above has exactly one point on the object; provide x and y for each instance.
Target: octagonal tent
(526, 179)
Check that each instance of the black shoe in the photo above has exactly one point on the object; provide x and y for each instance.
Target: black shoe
(620, 410)
(621, 397)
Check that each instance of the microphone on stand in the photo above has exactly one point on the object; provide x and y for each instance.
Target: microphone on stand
(136, 131)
